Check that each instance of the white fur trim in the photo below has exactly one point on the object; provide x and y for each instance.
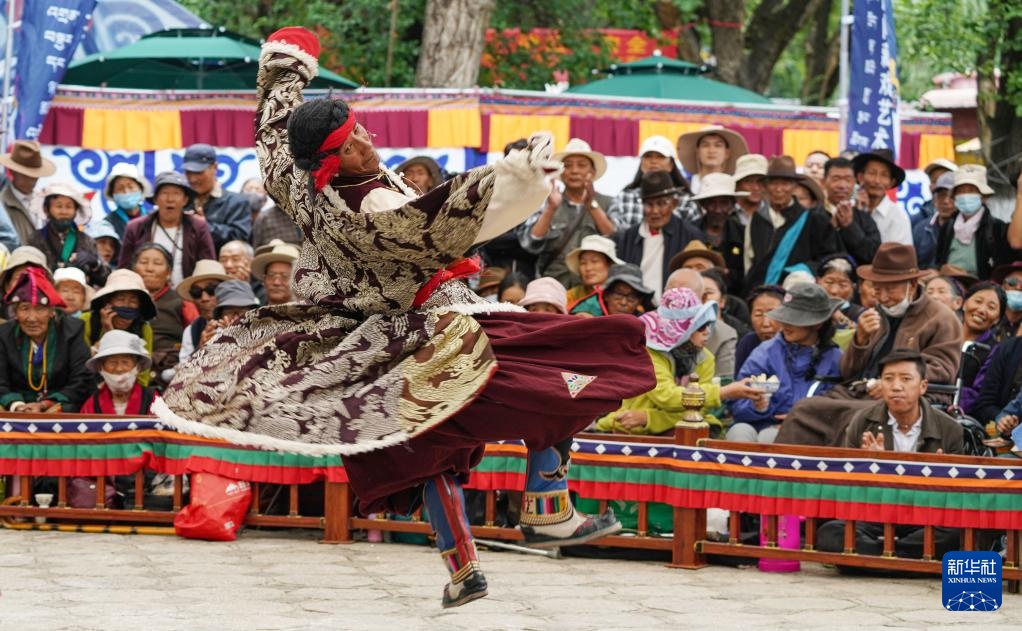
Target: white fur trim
(290, 49)
(477, 308)
(400, 181)
(268, 443)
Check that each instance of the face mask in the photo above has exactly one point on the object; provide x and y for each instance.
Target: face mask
(128, 313)
(968, 204)
(1014, 299)
(898, 310)
(119, 384)
(62, 225)
(128, 201)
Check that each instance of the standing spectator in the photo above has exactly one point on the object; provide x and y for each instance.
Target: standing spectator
(26, 165)
(661, 234)
(42, 356)
(722, 226)
(73, 288)
(712, 149)
(975, 240)
(422, 172)
(926, 234)
(856, 230)
(569, 217)
(762, 301)
(791, 235)
(200, 288)
(750, 177)
(122, 358)
(590, 262)
(544, 295)
(655, 154)
(227, 213)
(814, 165)
(8, 235)
(185, 236)
(1010, 278)
(808, 192)
(934, 171)
(153, 264)
(128, 190)
(62, 239)
(274, 269)
(876, 174)
(108, 242)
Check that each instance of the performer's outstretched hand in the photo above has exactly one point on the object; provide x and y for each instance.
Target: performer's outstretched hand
(297, 36)
(541, 150)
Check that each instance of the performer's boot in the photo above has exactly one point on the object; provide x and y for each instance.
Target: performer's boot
(445, 502)
(548, 518)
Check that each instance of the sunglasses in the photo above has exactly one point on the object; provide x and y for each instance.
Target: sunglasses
(1014, 283)
(196, 292)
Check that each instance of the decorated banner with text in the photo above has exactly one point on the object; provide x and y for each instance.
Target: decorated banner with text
(873, 95)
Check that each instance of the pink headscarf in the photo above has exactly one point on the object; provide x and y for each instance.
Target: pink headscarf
(679, 315)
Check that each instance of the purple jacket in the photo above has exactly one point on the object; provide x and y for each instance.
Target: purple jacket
(197, 242)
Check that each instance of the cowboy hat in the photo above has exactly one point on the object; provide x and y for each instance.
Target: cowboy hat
(750, 164)
(718, 185)
(119, 342)
(883, 156)
(893, 262)
(782, 168)
(696, 249)
(65, 189)
(130, 171)
(282, 253)
(805, 304)
(813, 186)
(579, 147)
(940, 163)
(125, 280)
(687, 144)
(592, 243)
(974, 174)
(657, 184)
(26, 157)
(205, 269)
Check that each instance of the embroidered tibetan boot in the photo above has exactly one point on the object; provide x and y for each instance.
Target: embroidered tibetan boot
(445, 503)
(548, 518)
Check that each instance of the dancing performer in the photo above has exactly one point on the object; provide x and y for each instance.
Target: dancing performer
(394, 363)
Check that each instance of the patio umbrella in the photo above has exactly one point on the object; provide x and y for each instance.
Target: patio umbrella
(661, 77)
(183, 59)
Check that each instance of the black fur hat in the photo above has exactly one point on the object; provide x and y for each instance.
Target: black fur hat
(309, 126)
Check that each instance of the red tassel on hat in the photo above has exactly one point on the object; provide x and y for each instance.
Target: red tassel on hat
(35, 288)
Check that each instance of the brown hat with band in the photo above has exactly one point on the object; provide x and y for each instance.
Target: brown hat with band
(26, 157)
(892, 263)
(696, 249)
(782, 168)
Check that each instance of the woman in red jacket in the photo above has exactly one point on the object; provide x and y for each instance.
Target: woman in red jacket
(122, 356)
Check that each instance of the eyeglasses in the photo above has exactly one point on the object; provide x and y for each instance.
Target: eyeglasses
(278, 276)
(629, 298)
(1014, 283)
(196, 292)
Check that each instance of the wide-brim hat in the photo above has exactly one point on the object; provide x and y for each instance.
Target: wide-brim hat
(1000, 272)
(205, 269)
(65, 189)
(813, 186)
(234, 293)
(282, 253)
(130, 171)
(696, 249)
(892, 263)
(579, 147)
(974, 174)
(430, 165)
(491, 277)
(119, 342)
(74, 275)
(679, 315)
(940, 163)
(782, 168)
(631, 275)
(657, 184)
(125, 280)
(176, 179)
(718, 185)
(953, 271)
(592, 243)
(26, 157)
(547, 290)
(879, 155)
(102, 229)
(750, 164)
(805, 304)
(688, 142)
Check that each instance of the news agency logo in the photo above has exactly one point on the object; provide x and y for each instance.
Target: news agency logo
(972, 581)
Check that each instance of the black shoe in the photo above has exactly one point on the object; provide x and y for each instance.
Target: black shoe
(594, 527)
(472, 588)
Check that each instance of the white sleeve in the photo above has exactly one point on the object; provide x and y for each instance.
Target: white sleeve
(902, 227)
(521, 186)
(187, 348)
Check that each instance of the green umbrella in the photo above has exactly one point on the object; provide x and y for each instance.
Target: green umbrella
(183, 59)
(660, 77)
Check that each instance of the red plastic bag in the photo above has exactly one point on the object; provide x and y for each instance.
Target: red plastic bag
(216, 510)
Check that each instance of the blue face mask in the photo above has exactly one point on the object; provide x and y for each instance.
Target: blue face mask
(1014, 299)
(128, 313)
(128, 201)
(968, 204)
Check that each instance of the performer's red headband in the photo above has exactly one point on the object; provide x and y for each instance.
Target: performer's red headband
(330, 165)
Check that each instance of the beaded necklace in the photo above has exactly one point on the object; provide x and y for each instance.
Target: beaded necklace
(28, 368)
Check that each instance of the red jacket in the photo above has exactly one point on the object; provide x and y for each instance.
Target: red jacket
(139, 402)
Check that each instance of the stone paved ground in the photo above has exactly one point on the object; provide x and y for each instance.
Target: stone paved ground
(287, 581)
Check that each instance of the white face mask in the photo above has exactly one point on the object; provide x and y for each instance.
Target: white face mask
(899, 310)
(120, 384)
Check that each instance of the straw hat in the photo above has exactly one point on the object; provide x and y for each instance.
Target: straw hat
(750, 164)
(592, 243)
(687, 144)
(119, 342)
(130, 171)
(974, 174)
(23, 255)
(579, 147)
(281, 253)
(205, 269)
(718, 185)
(66, 189)
(125, 280)
(893, 262)
(696, 249)
(26, 157)
(547, 290)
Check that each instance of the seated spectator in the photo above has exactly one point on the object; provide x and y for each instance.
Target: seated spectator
(676, 334)
(544, 295)
(233, 300)
(422, 173)
(42, 356)
(906, 318)
(724, 232)
(73, 288)
(808, 192)
(185, 236)
(20, 260)
(237, 257)
(837, 277)
(857, 233)
(947, 291)
(274, 269)
(655, 154)
(121, 361)
(200, 288)
(622, 294)
(226, 213)
(62, 239)
(128, 190)
(1007, 423)
(934, 172)
(750, 178)
(108, 242)
(877, 173)
(712, 149)
(660, 235)
(903, 421)
(983, 309)
(762, 301)
(512, 288)
(1002, 382)
(123, 304)
(590, 262)
(974, 240)
(867, 294)
(489, 282)
(153, 264)
(803, 357)
(926, 233)
(1010, 279)
(726, 330)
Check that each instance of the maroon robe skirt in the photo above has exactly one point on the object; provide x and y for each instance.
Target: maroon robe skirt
(555, 375)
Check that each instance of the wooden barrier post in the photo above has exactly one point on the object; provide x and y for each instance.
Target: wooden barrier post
(689, 523)
(337, 513)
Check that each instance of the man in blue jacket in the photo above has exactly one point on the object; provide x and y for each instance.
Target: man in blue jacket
(228, 214)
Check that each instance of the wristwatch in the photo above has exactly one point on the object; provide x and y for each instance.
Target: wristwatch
(593, 204)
